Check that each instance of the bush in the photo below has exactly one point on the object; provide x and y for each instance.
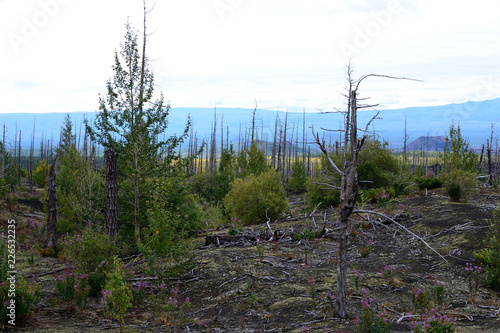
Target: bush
(298, 179)
(41, 174)
(429, 181)
(321, 195)
(370, 321)
(73, 288)
(377, 166)
(460, 184)
(490, 256)
(173, 216)
(11, 199)
(251, 197)
(26, 296)
(92, 252)
(454, 191)
(378, 195)
(117, 293)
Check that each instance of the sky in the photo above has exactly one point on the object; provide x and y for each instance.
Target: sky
(56, 55)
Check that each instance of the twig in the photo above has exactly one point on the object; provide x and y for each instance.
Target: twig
(402, 227)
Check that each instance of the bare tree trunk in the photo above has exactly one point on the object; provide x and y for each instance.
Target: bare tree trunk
(112, 194)
(405, 142)
(253, 122)
(273, 152)
(19, 160)
(348, 182)
(52, 208)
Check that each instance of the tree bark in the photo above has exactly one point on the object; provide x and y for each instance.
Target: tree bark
(52, 208)
(112, 195)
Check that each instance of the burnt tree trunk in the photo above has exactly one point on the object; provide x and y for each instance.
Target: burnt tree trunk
(52, 208)
(112, 195)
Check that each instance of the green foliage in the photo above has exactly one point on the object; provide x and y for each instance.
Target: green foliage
(370, 321)
(68, 139)
(322, 195)
(131, 123)
(234, 226)
(434, 322)
(10, 179)
(14, 288)
(257, 161)
(457, 155)
(41, 174)
(429, 181)
(459, 184)
(454, 191)
(490, 255)
(11, 200)
(251, 197)
(25, 297)
(377, 166)
(119, 295)
(171, 306)
(305, 234)
(92, 252)
(173, 216)
(213, 216)
(378, 195)
(72, 287)
(80, 191)
(298, 179)
(459, 164)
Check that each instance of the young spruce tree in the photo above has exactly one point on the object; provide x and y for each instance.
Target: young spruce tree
(130, 121)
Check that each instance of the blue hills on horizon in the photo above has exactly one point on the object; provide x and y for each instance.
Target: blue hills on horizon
(476, 119)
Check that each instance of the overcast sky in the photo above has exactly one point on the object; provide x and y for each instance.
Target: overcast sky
(56, 55)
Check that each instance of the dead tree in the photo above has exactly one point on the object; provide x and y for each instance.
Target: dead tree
(348, 174)
(112, 194)
(52, 208)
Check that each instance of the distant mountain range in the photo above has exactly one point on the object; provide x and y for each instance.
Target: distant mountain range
(475, 120)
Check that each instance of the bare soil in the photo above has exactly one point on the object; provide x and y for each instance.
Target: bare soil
(280, 285)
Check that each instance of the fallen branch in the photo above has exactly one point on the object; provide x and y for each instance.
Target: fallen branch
(402, 227)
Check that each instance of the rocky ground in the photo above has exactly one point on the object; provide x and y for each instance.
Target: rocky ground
(242, 284)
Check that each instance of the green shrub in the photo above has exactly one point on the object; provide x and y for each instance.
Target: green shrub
(118, 294)
(11, 200)
(213, 216)
(378, 195)
(429, 181)
(173, 216)
(92, 252)
(454, 191)
(211, 187)
(72, 287)
(41, 174)
(14, 288)
(25, 297)
(460, 184)
(322, 195)
(257, 161)
(370, 321)
(377, 167)
(298, 179)
(251, 197)
(490, 256)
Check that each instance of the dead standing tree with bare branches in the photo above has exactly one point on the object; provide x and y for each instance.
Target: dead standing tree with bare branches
(348, 173)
